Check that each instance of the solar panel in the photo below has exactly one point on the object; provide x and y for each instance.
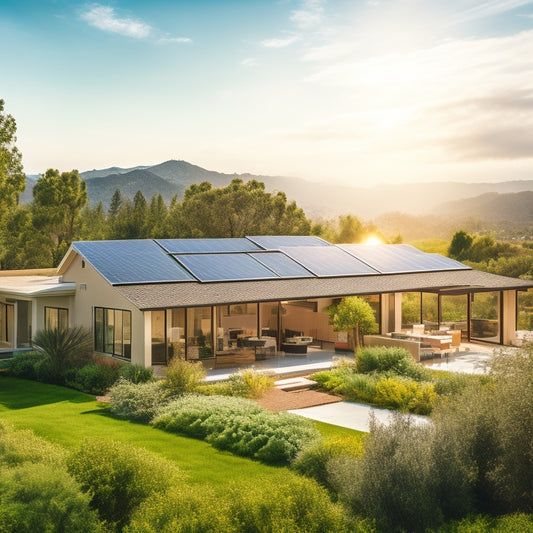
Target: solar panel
(397, 258)
(275, 242)
(224, 267)
(328, 261)
(134, 261)
(183, 246)
(283, 265)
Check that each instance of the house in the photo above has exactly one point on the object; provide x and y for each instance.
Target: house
(236, 300)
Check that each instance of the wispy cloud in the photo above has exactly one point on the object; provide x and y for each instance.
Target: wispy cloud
(104, 18)
(280, 43)
(490, 8)
(309, 15)
(178, 40)
(249, 62)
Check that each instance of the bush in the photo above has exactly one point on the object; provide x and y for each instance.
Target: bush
(183, 376)
(515, 523)
(239, 426)
(184, 509)
(43, 498)
(136, 373)
(294, 505)
(405, 395)
(389, 359)
(393, 478)
(314, 461)
(94, 378)
(18, 447)
(119, 477)
(23, 365)
(247, 383)
(138, 402)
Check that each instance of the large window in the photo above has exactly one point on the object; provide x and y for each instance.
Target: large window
(199, 333)
(410, 309)
(485, 316)
(112, 331)
(23, 324)
(524, 307)
(55, 318)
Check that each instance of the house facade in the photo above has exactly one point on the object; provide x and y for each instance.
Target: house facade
(231, 301)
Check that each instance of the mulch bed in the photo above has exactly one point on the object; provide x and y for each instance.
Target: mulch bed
(278, 400)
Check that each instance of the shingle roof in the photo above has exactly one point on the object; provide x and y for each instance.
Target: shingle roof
(191, 294)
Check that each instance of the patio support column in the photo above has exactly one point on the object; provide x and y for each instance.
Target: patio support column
(147, 338)
(508, 316)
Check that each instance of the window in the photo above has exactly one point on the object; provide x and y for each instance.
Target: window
(55, 318)
(112, 331)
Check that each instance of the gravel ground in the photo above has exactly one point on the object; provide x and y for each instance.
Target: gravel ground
(278, 400)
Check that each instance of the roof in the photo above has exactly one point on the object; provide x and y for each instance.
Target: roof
(160, 296)
(35, 286)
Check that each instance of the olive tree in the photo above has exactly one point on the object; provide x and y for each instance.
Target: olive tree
(353, 314)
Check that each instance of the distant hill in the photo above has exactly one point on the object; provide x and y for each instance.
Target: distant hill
(516, 207)
(102, 189)
(317, 199)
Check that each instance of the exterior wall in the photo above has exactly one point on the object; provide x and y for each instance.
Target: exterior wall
(38, 305)
(92, 290)
(508, 317)
(391, 312)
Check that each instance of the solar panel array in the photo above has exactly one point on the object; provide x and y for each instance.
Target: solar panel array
(328, 261)
(389, 259)
(185, 246)
(251, 258)
(276, 242)
(134, 261)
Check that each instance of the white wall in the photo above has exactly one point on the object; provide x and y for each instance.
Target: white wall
(92, 290)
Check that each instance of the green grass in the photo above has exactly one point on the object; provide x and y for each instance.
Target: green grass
(329, 431)
(432, 246)
(66, 417)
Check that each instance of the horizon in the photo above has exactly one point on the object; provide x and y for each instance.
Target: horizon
(356, 93)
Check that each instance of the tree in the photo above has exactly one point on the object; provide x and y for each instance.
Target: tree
(353, 314)
(157, 217)
(460, 245)
(57, 202)
(12, 177)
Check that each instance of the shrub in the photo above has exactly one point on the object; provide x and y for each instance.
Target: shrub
(119, 477)
(313, 462)
(184, 509)
(183, 376)
(247, 383)
(43, 498)
(393, 478)
(138, 402)
(18, 447)
(294, 505)
(136, 373)
(389, 358)
(240, 426)
(514, 523)
(63, 349)
(23, 365)
(94, 378)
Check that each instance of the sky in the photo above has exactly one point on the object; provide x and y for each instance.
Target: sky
(357, 92)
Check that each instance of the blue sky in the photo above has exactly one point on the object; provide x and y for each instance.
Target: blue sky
(359, 92)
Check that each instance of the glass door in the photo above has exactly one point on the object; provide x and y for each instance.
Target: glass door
(159, 352)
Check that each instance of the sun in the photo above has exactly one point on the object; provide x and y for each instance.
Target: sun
(372, 240)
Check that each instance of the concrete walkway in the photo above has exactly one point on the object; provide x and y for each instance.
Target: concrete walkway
(351, 415)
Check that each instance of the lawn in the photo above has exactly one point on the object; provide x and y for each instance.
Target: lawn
(66, 417)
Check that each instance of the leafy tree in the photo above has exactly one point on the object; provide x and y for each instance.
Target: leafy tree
(12, 177)
(58, 201)
(157, 217)
(235, 211)
(460, 245)
(353, 314)
(93, 225)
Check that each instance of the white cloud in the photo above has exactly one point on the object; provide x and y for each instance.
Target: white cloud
(310, 14)
(178, 40)
(280, 43)
(104, 18)
(249, 62)
(490, 8)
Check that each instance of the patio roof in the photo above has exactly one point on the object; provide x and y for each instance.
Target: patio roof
(195, 294)
(35, 286)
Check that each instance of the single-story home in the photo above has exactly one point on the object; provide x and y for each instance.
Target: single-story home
(236, 300)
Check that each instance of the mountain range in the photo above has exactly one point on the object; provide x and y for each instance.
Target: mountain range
(507, 200)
